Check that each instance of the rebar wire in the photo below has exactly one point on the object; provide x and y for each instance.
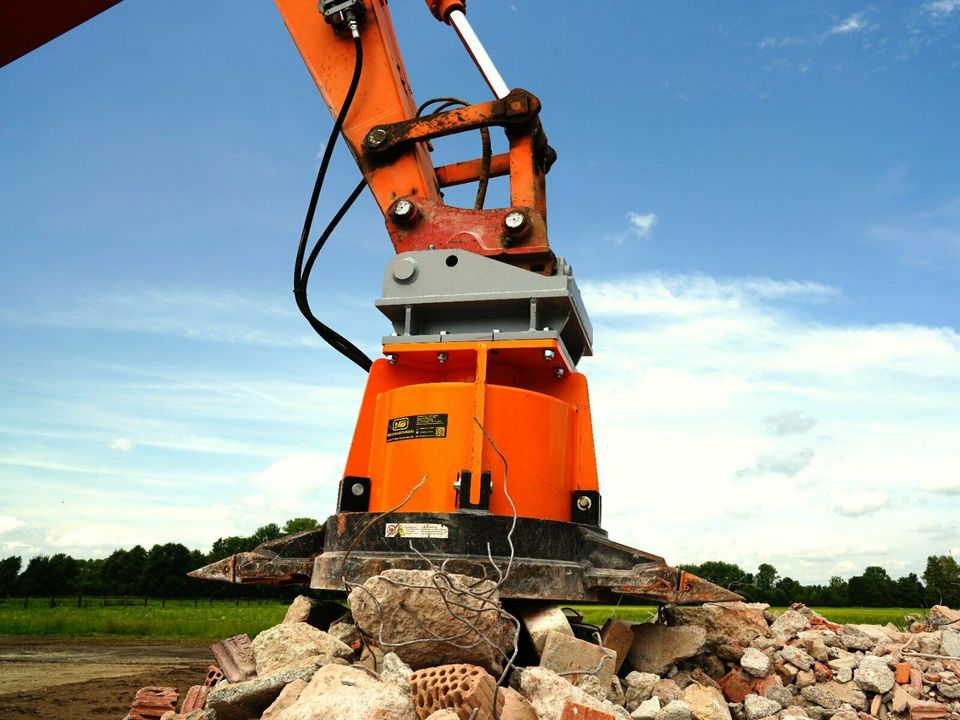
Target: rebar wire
(370, 524)
(467, 601)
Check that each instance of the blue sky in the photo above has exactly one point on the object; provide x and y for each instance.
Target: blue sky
(761, 202)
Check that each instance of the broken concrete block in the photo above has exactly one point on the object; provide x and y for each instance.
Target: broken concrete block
(468, 690)
(151, 702)
(443, 715)
(547, 693)
(755, 662)
(647, 710)
(341, 692)
(617, 636)
(789, 624)
(538, 619)
(638, 688)
(675, 710)
(657, 647)
(576, 711)
(399, 606)
(564, 654)
(725, 623)
(287, 697)
(292, 645)
(395, 670)
(667, 690)
(248, 699)
(706, 703)
(756, 707)
(797, 657)
(950, 642)
(874, 675)
(515, 706)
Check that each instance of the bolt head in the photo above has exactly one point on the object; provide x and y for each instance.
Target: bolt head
(559, 372)
(403, 208)
(584, 503)
(405, 270)
(356, 489)
(515, 220)
(376, 137)
(441, 357)
(549, 355)
(392, 359)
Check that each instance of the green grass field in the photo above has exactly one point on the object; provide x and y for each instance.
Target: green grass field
(205, 622)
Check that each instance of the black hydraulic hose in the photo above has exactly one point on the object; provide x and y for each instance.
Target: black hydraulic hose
(301, 274)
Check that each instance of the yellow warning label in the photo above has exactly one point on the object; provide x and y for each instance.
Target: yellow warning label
(417, 427)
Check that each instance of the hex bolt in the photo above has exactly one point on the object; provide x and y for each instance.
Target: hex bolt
(584, 503)
(559, 372)
(548, 355)
(515, 223)
(376, 137)
(356, 489)
(392, 359)
(404, 212)
(441, 357)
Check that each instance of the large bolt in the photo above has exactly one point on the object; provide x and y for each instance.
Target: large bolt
(405, 270)
(548, 355)
(392, 359)
(515, 222)
(356, 489)
(584, 503)
(441, 357)
(404, 212)
(559, 372)
(376, 137)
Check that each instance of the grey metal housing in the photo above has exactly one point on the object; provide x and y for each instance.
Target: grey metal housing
(456, 295)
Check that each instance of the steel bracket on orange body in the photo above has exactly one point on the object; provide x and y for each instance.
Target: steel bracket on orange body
(523, 396)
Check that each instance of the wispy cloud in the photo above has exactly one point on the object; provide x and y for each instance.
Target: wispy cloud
(642, 224)
(852, 24)
(123, 444)
(790, 422)
(858, 503)
(943, 7)
(8, 523)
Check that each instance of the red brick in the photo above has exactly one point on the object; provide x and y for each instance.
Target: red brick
(195, 699)
(576, 711)
(902, 673)
(823, 672)
(736, 685)
(461, 688)
(214, 676)
(151, 702)
(235, 656)
(927, 710)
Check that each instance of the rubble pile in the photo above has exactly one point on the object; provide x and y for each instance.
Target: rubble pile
(430, 645)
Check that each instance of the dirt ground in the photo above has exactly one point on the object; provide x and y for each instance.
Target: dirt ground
(59, 679)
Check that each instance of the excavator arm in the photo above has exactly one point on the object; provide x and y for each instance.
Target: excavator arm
(390, 140)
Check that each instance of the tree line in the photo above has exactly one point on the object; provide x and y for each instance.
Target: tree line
(938, 585)
(160, 572)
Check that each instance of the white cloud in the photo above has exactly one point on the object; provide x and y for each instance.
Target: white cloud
(9, 522)
(943, 486)
(790, 422)
(860, 502)
(943, 7)
(642, 225)
(685, 367)
(854, 23)
(123, 444)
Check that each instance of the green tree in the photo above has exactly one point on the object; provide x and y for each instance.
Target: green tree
(872, 589)
(942, 577)
(789, 591)
(298, 525)
(836, 594)
(9, 569)
(165, 571)
(909, 591)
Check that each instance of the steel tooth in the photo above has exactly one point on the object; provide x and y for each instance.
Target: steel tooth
(664, 585)
(257, 568)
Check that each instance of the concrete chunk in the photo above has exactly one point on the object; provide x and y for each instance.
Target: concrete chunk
(657, 647)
